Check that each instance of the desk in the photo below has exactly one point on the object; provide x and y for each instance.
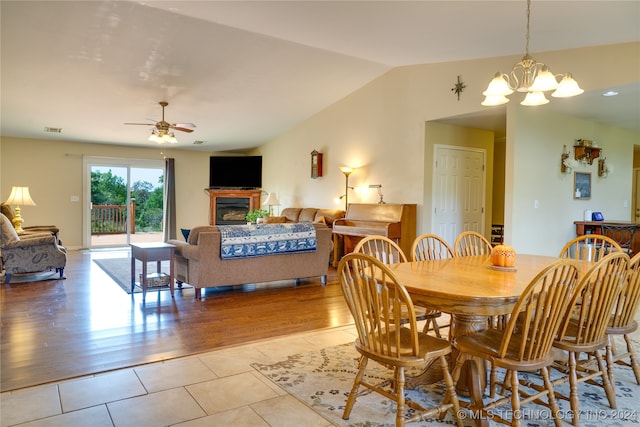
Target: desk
(147, 252)
(468, 289)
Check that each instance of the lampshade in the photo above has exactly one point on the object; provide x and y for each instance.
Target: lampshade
(272, 200)
(535, 98)
(20, 197)
(568, 87)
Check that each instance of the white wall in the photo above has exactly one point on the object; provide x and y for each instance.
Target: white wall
(534, 148)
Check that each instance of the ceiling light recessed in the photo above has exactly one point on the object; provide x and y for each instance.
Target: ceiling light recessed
(610, 93)
(52, 130)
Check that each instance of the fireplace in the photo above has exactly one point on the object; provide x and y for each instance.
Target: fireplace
(230, 206)
(231, 210)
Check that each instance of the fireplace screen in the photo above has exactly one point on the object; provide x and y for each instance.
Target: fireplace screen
(231, 210)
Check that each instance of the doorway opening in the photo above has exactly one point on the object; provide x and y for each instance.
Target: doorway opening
(124, 202)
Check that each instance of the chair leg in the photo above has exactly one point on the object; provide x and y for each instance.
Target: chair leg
(451, 396)
(354, 390)
(515, 399)
(553, 404)
(632, 356)
(606, 384)
(399, 392)
(573, 389)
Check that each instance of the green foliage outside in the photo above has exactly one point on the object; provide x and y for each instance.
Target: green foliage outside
(110, 189)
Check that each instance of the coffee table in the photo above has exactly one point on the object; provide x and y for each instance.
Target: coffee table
(147, 252)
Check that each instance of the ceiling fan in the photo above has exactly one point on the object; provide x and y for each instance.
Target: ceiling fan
(161, 133)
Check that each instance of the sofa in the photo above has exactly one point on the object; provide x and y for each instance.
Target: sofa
(325, 216)
(199, 263)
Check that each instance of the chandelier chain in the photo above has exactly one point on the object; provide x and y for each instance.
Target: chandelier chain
(526, 49)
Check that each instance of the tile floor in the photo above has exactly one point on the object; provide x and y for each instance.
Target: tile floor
(218, 388)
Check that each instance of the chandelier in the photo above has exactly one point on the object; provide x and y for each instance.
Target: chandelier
(531, 77)
(162, 136)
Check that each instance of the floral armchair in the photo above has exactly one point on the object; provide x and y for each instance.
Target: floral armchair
(29, 254)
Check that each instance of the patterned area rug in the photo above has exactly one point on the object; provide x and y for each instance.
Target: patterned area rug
(119, 269)
(322, 381)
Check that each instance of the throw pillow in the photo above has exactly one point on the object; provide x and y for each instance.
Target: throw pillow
(8, 232)
(274, 219)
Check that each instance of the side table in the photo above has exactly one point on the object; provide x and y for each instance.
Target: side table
(147, 252)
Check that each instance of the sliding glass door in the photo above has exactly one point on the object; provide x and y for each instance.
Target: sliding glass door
(124, 202)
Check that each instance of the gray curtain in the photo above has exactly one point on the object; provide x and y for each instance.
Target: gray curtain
(169, 221)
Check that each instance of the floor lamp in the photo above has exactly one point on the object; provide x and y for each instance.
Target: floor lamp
(346, 171)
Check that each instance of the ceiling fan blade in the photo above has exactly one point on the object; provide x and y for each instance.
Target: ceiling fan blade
(181, 129)
(141, 124)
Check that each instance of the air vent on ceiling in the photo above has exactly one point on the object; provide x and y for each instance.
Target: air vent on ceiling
(52, 130)
(198, 142)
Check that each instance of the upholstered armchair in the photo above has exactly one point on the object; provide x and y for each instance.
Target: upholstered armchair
(29, 254)
(7, 211)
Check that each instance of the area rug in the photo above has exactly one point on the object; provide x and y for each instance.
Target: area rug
(119, 269)
(322, 380)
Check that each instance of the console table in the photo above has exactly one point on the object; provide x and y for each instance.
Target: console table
(250, 199)
(595, 227)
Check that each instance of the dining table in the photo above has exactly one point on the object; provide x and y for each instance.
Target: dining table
(472, 290)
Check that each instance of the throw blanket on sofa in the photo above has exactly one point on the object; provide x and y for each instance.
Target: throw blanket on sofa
(243, 241)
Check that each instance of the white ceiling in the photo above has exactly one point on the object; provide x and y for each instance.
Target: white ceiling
(246, 71)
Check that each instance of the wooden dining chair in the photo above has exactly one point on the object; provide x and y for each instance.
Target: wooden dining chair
(427, 247)
(471, 243)
(623, 321)
(388, 252)
(589, 247)
(371, 289)
(525, 345)
(583, 330)
(622, 234)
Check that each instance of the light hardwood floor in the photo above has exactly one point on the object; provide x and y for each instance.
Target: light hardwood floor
(86, 324)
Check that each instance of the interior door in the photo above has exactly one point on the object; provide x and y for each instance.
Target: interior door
(458, 191)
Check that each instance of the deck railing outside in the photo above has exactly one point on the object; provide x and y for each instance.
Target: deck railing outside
(112, 219)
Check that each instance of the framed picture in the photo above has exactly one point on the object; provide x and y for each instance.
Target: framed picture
(582, 185)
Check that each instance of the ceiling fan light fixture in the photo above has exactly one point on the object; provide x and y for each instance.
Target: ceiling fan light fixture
(530, 77)
(170, 138)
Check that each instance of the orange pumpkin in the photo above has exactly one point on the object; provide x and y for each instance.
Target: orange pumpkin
(503, 256)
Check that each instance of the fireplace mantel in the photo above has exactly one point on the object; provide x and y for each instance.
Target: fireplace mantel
(250, 196)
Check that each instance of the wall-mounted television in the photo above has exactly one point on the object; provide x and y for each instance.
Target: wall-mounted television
(239, 172)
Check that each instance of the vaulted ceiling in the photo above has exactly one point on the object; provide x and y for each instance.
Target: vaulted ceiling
(246, 71)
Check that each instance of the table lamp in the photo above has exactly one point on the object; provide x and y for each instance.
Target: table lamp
(19, 197)
(272, 200)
